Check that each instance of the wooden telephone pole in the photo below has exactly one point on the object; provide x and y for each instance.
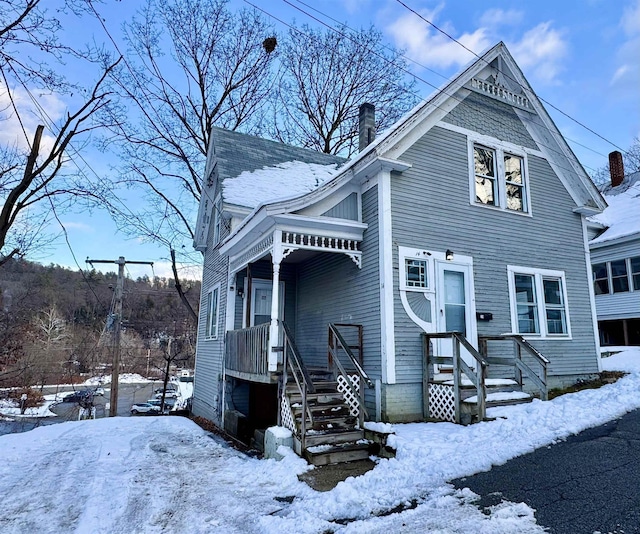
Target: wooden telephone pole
(117, 328)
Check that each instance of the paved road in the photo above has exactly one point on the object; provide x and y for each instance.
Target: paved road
(589, 483)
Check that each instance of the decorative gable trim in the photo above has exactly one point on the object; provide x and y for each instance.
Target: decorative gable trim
(500, 93)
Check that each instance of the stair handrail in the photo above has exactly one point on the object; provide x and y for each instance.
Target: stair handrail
(521, 343)
(364, 378)
(345, 346)
(477, 376)
(300, 375)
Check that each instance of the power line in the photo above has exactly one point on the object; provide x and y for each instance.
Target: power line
(438, 90)
(506, 75)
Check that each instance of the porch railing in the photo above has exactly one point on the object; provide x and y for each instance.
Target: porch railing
(247, 350)
(520, 345)
(294, 367)
(353, 379)
(477, 376)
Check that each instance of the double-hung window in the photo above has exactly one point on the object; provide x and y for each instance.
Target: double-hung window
(499, 179)
(617, 276)
(538, 302)
(634, 264)
(217, 221)
(212, 306)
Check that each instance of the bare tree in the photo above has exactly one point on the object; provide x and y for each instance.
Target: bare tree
(31, 166)
(327, 76)
(190, 64)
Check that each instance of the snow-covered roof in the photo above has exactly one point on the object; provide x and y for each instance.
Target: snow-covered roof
(254, 171)
(622, 216)
(283, 180)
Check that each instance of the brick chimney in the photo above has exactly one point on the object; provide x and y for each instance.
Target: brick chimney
(367, 125)
(616, 168)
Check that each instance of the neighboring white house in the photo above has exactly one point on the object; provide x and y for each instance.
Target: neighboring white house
(615, 258)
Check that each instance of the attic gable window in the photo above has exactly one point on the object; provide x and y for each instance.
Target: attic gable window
(499, 179)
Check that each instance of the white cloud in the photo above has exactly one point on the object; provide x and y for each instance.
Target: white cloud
(542, 51)
(631, 19)
(11, 130)
(627, 74)
(500, 17)
(75, 225)
(431, 48)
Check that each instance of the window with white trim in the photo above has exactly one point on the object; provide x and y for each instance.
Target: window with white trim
(415, 269)
(616, 276)
(499, 179)
(538, 302)
(212, 310)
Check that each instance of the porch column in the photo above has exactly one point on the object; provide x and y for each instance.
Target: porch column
(274, 328)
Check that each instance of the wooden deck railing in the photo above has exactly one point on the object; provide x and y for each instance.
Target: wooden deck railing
(520, 344)
(247, 350)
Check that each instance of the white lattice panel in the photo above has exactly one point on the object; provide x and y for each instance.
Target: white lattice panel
(442, 402)
(286, 415)
(349, 397)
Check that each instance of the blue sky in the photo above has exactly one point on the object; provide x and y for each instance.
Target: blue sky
(581, 56)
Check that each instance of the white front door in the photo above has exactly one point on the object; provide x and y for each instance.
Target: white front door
(455, 304)
(261, 292)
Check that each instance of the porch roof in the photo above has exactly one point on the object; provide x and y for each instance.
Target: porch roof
(281, 234)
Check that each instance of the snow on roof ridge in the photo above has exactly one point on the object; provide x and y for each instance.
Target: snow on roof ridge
(622, 216)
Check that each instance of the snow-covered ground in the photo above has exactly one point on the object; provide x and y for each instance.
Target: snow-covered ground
(165, 474)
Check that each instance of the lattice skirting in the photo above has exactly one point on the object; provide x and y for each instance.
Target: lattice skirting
(442, 403)
(286, 415)
(349, 397)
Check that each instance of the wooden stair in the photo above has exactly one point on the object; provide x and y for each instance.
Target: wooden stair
(500, 392)
(332, 436)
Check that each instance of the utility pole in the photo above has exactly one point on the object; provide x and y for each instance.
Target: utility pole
(115, 371)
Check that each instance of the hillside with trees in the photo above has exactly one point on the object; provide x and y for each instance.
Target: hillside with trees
(56, 324)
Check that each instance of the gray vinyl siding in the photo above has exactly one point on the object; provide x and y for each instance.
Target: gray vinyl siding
(346, 209)
(331, 289)
(431, 210)
(210, 352)
(490, 117)
(617, 305)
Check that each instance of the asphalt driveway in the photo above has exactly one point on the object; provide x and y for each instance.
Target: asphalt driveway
(589, 483)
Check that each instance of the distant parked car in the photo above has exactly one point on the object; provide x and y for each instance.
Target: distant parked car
(170, 394)
(145, 408)
(78, 396)
(158, 402)
(99, 391)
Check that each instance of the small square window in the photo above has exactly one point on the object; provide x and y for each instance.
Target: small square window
(416, 273)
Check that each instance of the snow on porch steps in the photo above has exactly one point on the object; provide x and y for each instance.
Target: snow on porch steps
(502, 398)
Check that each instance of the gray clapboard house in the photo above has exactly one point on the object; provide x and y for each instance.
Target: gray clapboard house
(450, 253)
(615, 258)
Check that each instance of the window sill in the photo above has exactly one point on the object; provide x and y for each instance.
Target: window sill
(500, 209)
